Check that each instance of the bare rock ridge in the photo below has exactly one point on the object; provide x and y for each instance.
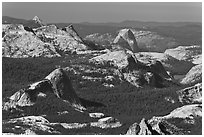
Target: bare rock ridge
(193, 76)
(70, 29)
(135, 72)
(19, 43)
(191, 54)
(188, 53)
(146, 40)
(126, 40)
(56, 83)
(34, 125)
(170, 63)
(63, 88)
(47, 41)
(65, 41)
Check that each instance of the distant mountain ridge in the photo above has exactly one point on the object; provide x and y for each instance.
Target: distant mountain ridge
(185, 33)
(143, 24)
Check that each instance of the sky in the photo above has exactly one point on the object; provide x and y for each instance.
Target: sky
(67, 12)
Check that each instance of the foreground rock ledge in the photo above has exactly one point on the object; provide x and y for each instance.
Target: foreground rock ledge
(175, 123)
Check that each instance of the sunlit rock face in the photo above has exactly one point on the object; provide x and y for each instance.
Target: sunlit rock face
(56, 84)
(146, 40)
(172, 124)
(193, 76)
(188, 53)
(135, 72)
(19, 43)
(170, 63)
(126, 40)
(65, 40)
(46, 41)
(62, 87)
(152, 41)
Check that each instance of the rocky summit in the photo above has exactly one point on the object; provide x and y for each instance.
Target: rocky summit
(126, 40)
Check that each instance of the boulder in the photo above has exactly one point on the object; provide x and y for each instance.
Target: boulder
(107, 122)
(96, 115)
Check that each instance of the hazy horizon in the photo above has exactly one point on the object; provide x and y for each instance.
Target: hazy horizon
(66, 12)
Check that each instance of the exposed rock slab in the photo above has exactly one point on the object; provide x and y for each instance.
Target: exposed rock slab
(19, 43)
(45, 41)
(187, 111)
(152, 41)
(28, 125)
(126, 40)
(96, 115)
(62, 87)
(116, 58)
(135, 72)
(188, 53)
(193, 76)
(56, 83)
(170, 63)
(169, 124)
